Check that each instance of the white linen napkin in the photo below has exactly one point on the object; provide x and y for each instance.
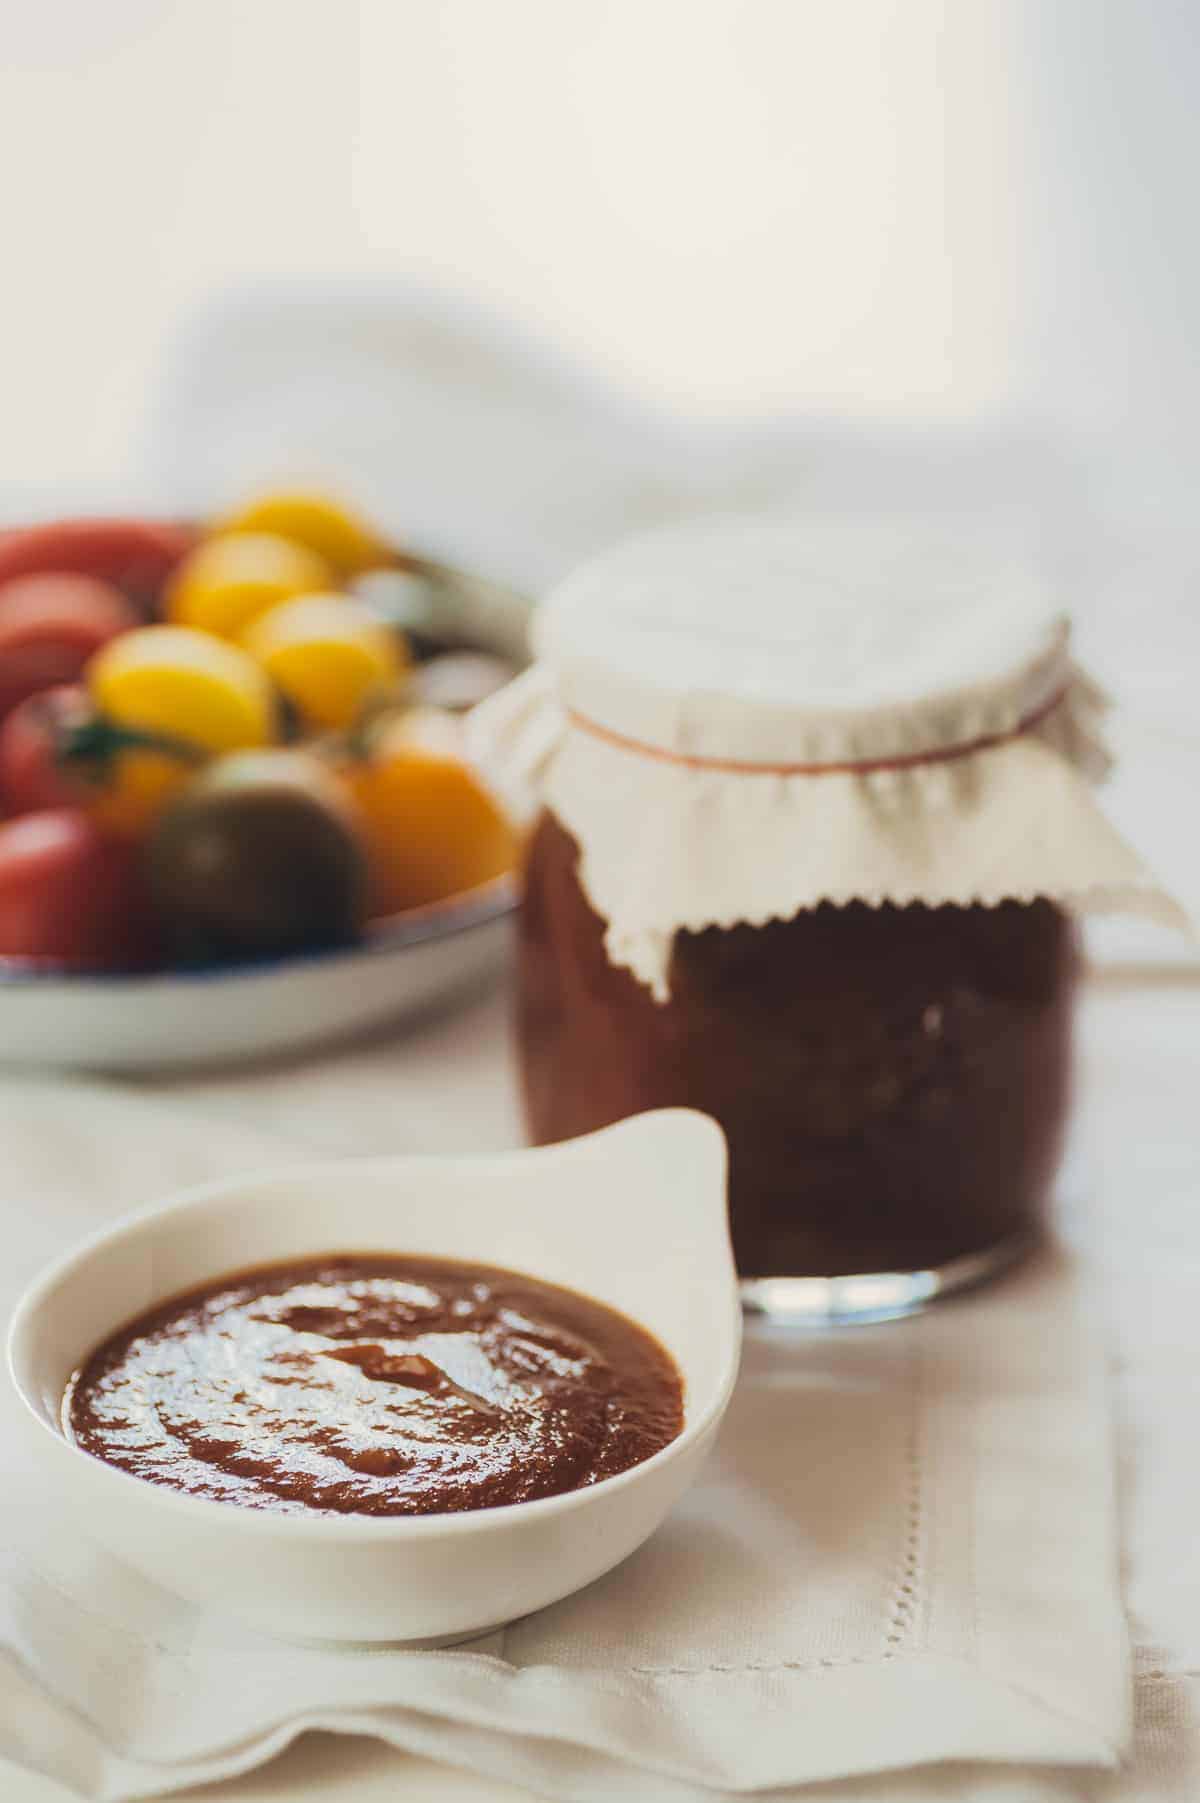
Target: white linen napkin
(902, 1552)
(491, 445)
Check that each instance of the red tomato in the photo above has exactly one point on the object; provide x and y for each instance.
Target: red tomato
(69, 894)
(136, 555)
(50, 626)
(32, 774)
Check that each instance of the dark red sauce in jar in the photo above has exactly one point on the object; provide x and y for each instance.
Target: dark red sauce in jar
(893, 1081)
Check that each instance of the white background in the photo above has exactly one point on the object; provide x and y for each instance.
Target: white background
(914, 208)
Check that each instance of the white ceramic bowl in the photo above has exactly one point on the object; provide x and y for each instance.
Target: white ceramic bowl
(634, 1216)
(174, 1019)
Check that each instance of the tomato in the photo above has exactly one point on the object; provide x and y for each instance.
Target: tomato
(57, 751)
(136, 556)
(331, 529)
(328, 654)
(184, 685)
(50, 625)
(32, 774)
(260, 855)
(71, 894)
(432, 829)
(225, 583)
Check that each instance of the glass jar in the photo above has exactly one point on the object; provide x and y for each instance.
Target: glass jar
(859, 958)
(892, 1082)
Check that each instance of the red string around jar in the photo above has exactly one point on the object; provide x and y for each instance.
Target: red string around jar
(863, 767)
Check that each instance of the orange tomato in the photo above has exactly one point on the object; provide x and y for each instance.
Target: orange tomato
(139, 787)
(431, 827)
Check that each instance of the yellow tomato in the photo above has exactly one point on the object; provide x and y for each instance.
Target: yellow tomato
(225, 583)
(345, 541)
(328, 654)
(183, 685)
(431, 828)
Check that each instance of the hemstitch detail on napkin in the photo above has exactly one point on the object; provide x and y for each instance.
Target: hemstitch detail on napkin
(908, 1594)
(906, 1601)
(769, 1665)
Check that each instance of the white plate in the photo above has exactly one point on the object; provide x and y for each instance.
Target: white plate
(634, 1216)
(174, 1019)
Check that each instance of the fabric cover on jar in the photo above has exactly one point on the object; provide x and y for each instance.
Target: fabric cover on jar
(740, 719)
